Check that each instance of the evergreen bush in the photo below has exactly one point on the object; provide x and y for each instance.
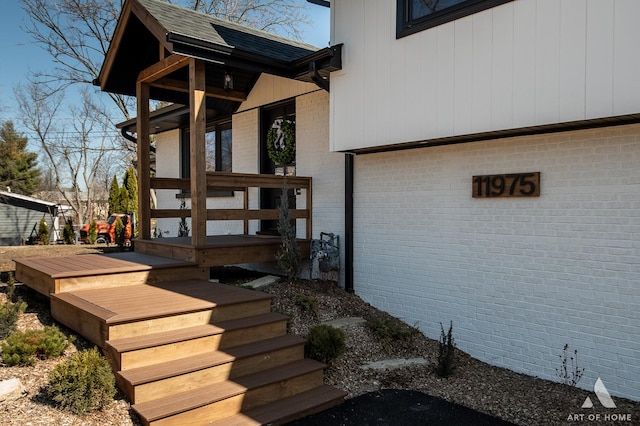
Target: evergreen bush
(307, 304)
(68, 235)
(324, 343)
(92, 235)
(24, 347)
(43, 232)
(83, 383)
(10, 310)
(289, 258)
(446, 352)
(120, 233)
(388, 329)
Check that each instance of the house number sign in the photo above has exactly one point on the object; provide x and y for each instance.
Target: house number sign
(511, 185)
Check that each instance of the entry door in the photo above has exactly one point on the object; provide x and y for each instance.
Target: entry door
(270, 198)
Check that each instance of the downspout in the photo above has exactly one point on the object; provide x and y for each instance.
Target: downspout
(348, 221)
(127, 136)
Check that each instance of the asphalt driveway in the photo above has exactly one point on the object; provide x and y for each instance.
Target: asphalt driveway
(392, 407)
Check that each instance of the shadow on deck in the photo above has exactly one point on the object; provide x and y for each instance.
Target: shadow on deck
(219, 250)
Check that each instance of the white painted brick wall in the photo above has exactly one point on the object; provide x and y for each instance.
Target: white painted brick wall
(519, 277)
(326, 168)
(312, 159)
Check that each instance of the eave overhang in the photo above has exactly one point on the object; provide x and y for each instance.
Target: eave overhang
(141, 40)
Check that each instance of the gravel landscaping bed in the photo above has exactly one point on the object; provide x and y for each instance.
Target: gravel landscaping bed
(513, 397)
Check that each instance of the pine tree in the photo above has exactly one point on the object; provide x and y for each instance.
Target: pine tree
(130, 182)
(18, 167)
(115, 200)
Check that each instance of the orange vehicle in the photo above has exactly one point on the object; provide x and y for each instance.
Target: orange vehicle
(107, 230)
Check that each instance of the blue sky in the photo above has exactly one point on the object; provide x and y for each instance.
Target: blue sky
(21, 56)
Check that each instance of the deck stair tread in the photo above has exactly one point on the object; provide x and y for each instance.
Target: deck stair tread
(155, 372)
(287, 409)
(190, 351)
(192, 399)
(137, 302)
(128, 344)
(99, 264)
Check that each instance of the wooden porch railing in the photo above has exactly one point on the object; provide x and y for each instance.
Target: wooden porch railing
(239, 182)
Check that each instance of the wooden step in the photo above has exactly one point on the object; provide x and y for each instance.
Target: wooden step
(287, 409)
(140, 351)
(138, 310)
(220, 400)
(49, 275)
(179, 375)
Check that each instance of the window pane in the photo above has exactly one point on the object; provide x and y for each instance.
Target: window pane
(225, 139)
(210, 143)
(422, 8)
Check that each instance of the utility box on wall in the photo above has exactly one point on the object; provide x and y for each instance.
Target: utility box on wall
(325, 255)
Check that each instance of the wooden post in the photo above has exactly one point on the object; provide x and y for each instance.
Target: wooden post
(197, 103)
(144, 162)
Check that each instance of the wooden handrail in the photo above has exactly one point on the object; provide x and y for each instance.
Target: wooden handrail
(241, 182)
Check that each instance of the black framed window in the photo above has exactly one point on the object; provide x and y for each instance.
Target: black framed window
(219, 149)
(418, 15)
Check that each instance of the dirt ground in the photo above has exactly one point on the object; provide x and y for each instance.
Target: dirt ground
(8, 253)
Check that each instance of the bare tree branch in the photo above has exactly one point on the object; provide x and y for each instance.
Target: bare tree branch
(75, 155)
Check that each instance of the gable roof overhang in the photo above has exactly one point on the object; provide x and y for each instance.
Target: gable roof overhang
(150, 31)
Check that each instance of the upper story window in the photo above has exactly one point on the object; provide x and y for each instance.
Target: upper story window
(419, 15)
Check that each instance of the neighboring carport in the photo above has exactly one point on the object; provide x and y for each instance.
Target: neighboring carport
(20, 216)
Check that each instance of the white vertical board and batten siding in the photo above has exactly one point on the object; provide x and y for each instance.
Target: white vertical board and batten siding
(520, 64)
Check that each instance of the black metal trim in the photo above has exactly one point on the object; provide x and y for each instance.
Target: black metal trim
(405, 26)
(597, 123)
(349, 163)
(324, 3)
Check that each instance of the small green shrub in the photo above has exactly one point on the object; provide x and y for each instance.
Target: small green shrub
(9, 314)
(83, 383)
(120, 233)
(388, 329)
(10, 310)
(324, 343)
(43, 232)
(307, 304)
(92, 235)
(446, 352)
(24, 347)
(68, 235)
(289, 258)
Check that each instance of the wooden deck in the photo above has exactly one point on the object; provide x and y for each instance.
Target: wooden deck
(67, 273)
(219, 250)
(184, 350)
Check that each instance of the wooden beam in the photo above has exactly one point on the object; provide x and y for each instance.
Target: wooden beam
(230, 214)
(144, 161)
(163, 68)
(197, 125)
(212, 92)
